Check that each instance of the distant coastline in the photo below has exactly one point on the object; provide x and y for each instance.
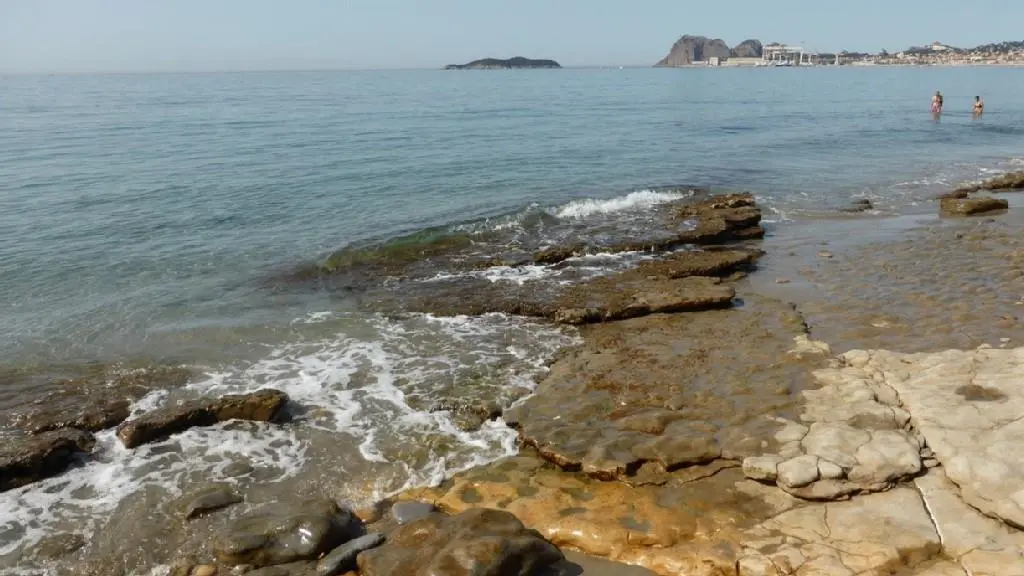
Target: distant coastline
(701, 51)
(516, 63)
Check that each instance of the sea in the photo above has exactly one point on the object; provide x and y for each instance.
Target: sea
(150, 219)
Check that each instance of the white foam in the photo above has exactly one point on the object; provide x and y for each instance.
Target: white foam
(358, 386)
(640, 200)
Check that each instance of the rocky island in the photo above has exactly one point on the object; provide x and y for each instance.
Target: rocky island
(510, 64)
(691, 49)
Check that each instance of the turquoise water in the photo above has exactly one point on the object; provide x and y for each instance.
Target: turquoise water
(150, 217)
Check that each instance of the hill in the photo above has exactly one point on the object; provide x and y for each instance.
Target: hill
(498, 64)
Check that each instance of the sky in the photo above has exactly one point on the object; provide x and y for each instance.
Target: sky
(169, 35)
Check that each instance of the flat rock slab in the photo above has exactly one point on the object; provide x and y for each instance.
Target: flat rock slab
(852, 437)
(162, 423)
(476, 541)
(979, 545)
(969, 407)
(684, 281)
(24, 460)
(703, 525)
(971, 206)
(670, 390)
(286, 532)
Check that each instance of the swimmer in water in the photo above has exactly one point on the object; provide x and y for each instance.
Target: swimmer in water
(937, 103)
(979, 106)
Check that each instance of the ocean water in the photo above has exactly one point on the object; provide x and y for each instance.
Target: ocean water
(146, 218)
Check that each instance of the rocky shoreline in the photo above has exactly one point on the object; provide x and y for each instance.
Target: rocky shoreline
(701, 428)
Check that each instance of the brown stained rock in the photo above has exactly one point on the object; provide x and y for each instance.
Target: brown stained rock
(971, 206)
(24, 460)
(1010, 181)
(673, 390)
(608, 299)
(702, 527)
(262, 406)
(208, 499)
(475, 541)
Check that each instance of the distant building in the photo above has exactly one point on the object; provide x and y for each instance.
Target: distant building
(714, 61)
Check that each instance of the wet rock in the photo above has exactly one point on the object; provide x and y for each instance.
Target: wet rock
(1010, 181)
(406, 512)
(971, 206)
(284, 532)
(209, 499)
(703, 525)
(858, 205)
(604, 300)
(343, 558)
(655, 390)
(674, 284)
(57, 546)
(27, 459)
(91, 398)
(263, 406)
(477, 541)
(204, 570)
(468, 416)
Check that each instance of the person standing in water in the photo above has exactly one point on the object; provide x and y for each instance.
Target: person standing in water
(937, 103)
(979, 106)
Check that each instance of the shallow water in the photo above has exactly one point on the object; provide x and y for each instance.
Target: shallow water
(148, 217)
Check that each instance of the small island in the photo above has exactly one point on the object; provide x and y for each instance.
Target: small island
(498, 64)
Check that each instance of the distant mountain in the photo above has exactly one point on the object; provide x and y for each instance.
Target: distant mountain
(690, 49)
(498, 64)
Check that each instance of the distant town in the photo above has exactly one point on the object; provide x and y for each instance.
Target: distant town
(690, 51)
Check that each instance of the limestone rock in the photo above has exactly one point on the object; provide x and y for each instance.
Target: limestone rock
(343, 558)
(477, 541)
(24, 460)
(967, 405)
(798, 472)
(764, 468)
(971, 206)
(285, 532)
(264, 406)
(979, 544)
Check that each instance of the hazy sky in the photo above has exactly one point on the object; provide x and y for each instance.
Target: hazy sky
(138, 35)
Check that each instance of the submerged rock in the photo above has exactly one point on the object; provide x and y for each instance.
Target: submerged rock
(27, 459)
(284, 532)
(971, 206)
(474, 542)
(211, 498)
(262, 406)
(343, 558)
(671, 390)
